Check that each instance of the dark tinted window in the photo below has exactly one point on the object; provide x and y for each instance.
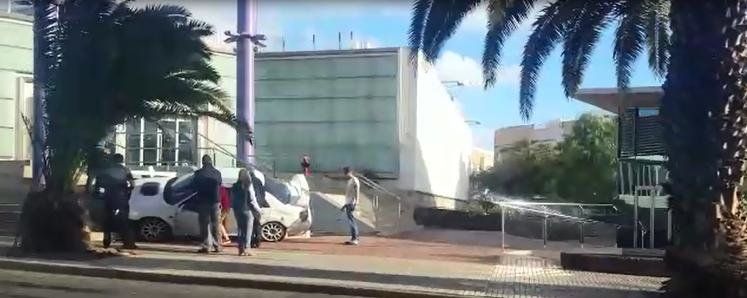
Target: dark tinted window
(278, 189)
(150, 189)
(178, 189)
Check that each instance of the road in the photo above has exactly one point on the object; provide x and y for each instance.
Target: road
(20, 284)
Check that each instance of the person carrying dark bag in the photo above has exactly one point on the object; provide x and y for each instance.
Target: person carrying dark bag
(259, 193)
(116, 182)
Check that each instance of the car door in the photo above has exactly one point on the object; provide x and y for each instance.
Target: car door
(186, 221)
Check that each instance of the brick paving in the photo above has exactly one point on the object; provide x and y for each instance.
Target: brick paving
(466, 269)
(529, 277)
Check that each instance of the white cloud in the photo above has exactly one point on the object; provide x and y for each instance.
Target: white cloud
(509, 75)
(452, 66)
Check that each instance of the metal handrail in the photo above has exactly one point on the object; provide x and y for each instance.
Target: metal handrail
(370, 183)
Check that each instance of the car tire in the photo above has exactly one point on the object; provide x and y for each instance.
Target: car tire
(153, 229)
(273, 232)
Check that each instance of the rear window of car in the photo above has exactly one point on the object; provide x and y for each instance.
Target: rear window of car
(150, 189)
(178, 189)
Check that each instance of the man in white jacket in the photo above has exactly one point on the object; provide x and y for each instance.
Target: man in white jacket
(352, 193)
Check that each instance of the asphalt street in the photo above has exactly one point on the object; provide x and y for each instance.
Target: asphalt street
(20, 284)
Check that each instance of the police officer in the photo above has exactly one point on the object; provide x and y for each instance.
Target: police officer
(116, 182)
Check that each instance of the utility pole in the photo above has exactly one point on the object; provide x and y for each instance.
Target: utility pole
(246, 38)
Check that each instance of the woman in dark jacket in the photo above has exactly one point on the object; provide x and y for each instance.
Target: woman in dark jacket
(245, 209)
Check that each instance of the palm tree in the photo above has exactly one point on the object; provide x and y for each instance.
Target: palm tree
(108, 62)
(698, 46)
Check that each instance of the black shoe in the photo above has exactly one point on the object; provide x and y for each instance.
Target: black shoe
(203, 250)
(217, 249)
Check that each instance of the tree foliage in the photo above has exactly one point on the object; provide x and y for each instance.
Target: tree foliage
(105, 62)
(580, 169)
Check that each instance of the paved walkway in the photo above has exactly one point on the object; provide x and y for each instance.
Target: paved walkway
(512, 274)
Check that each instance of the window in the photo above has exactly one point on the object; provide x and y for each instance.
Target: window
(163, 144)
(648, 112)
(150, 189)
(178, 189)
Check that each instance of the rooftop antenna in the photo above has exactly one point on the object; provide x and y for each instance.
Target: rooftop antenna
(313, 41)
(282, 42)
(352, 43)
(339, 40)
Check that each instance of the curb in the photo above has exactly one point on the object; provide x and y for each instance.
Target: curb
(231, 282)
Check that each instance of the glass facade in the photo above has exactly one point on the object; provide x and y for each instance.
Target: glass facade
(162, 144)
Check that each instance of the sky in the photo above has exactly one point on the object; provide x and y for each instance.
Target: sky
(384, 23)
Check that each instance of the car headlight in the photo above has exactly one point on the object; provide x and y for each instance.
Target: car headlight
(304, 215)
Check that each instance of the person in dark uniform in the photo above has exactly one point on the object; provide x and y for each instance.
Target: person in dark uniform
(116, 182)
(207, 182)
(259, 193)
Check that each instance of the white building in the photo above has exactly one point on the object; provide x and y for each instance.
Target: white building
(550, 132)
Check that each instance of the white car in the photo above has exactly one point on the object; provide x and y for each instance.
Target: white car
(164, 207)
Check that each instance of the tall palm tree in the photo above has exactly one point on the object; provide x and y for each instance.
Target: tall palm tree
(108, 62)
(698, 47)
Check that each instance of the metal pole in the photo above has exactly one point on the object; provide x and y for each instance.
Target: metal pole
(503, 228)
(544, 232)
(635, 219)
(581, 233)
(651, 219)
(247, 24)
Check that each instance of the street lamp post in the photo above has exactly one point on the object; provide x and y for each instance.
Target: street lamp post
(245, 38)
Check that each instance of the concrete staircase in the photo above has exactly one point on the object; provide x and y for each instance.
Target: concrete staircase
(13, 190)
(379, 212)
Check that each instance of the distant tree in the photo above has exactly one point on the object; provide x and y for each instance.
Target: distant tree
(587, 161)
(580, 169)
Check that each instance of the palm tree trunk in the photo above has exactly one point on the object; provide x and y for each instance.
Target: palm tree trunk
(52, 218)
(702, 107)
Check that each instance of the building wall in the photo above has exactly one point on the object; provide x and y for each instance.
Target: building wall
(367, 108)
(443, 139)
(549, 132)
(15, 86)
(481, 160)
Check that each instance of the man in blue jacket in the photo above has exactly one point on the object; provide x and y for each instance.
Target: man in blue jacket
(207, 182)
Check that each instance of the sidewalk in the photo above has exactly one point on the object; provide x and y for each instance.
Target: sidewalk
(365, 275)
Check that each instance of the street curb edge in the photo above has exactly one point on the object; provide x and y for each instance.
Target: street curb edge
(134, 274)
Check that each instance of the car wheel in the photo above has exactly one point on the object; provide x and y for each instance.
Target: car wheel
(273, 232)
(154, 230)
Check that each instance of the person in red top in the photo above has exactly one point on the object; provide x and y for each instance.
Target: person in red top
(306, 165)
(225, 208)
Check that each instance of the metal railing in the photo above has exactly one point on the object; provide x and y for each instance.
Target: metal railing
(546, 213)
(378, 189)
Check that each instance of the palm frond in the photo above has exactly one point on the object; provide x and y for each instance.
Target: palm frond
(159, 10)
(159, 110)
(443, 19)
(504, 16)
(629, 39)
(420, 10)
(590, 21)
(549, 28)
(656, 29)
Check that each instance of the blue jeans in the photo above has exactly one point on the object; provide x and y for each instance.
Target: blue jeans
(245, 224)
(209, 220)
(349, 211)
